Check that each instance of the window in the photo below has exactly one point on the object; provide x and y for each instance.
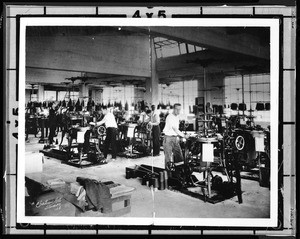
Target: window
(183, 92)
(50, 95)
(118, 94)
(165, 47)
(62, 95)
(256, 90)
(182, 48)
(191, 48)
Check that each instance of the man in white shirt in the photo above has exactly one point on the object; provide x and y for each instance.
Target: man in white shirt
(171, 139)
(111, 132)
(143, 116)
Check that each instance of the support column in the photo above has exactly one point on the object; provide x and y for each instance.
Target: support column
(100, 95)
(201, 87)
(84, 93)
(208, 87)
(215, 82)
(93, 95)
(151, 95)
(97, 96)
(40, 93)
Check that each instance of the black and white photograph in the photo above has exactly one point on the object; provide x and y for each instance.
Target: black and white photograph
(147, 121)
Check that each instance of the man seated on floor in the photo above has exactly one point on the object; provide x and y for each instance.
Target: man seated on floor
(171, 139)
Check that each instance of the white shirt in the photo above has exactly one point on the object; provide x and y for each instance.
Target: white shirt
(172, 121)
(109, 121)
(144, 118)
(155, 120)
(45, 112)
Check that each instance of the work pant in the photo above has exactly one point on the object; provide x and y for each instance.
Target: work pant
(156, 139)
(110, 140)
(171, 146)
(86, 144)
(52, 133)
(44, 127)
(46, 124)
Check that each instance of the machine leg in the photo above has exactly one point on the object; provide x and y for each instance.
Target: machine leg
(209, 185)
(42, 130)
(208, 180)
(238, 181)
(80, 155)
(204, 194)
(62, 136)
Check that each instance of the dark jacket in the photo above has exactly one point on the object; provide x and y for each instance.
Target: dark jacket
(98, 195)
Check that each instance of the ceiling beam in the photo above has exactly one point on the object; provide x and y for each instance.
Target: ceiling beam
(192, 64)
(211, 37)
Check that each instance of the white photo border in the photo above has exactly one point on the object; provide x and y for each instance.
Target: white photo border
(272, 23)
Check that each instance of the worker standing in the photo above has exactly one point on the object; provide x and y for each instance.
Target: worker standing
(111, 132)
(143, 116)
(52, 122)
(154, 121)
(209, 110)
(171, 139)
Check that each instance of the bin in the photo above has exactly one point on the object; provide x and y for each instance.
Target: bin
(264, 176)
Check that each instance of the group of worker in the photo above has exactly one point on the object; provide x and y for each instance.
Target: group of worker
(48, 112)
(151, 116)
(147, 116)
(172, 134)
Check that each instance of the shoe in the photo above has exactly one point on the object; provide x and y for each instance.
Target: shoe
(113, 159)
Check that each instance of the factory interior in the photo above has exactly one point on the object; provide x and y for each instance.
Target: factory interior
(98, 142)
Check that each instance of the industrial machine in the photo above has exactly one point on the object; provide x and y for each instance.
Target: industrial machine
(140, 141)
(84, 143)
(206, 155)
(251, 142)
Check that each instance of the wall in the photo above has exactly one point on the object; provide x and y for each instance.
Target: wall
(122, 55)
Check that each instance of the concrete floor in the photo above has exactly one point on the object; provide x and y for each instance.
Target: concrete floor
(256, 199)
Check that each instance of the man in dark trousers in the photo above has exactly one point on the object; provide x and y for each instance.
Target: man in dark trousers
(111, 132)
(172, 148)
(154, 121)
(52, 122)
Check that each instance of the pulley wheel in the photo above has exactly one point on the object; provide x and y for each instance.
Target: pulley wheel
(101, 130)
(239, 142)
